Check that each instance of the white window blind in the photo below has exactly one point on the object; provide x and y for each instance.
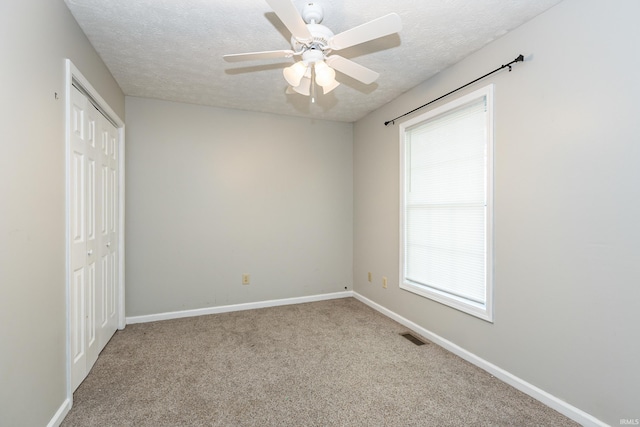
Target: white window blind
(445, 212)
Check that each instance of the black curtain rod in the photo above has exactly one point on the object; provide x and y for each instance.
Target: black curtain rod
(520, 58)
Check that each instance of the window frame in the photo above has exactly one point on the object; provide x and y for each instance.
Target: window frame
(482, 311)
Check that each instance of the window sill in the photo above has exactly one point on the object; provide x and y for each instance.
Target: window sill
(481, 311)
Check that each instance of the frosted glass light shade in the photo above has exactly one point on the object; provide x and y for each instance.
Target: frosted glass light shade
(304, 88)
(294, 73)
(328, 88)
(325, 75)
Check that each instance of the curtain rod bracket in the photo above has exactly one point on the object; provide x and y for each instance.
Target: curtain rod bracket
(520, 58)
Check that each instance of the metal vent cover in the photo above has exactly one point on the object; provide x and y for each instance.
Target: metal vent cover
(413, 338)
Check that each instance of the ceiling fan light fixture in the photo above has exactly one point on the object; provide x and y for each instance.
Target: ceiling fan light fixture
(325, 75)
(304, 88)
(294, 73)
(314, 42)
(328, 88)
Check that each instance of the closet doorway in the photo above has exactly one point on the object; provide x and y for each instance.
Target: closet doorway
(95, 303)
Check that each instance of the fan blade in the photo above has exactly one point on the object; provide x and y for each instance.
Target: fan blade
(351, 69)
(268, 54)
(377, 28)
(290, 17)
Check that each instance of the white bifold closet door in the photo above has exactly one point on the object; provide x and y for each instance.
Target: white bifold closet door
(93, 234)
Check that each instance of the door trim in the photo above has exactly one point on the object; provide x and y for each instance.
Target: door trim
(73, 77)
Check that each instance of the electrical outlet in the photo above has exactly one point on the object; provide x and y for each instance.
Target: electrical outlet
(369, 277)
(246, 279)
(384, 282)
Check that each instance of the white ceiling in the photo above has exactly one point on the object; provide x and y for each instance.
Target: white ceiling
(172, 49)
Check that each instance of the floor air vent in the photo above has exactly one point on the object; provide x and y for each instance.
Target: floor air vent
(413, 338)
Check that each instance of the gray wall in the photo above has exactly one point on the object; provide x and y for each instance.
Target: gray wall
(35, 37)
(567, 207)
(214, 193)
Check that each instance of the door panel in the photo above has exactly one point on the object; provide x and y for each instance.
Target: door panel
(109, 229)
(93, 226)
(77, 316)
(94, 203)
(90, 316)
(78, 250)
(77, 198)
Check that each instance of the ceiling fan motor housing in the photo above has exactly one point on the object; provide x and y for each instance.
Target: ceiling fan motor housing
(321, 36)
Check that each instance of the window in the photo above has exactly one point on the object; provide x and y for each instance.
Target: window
(446, 204)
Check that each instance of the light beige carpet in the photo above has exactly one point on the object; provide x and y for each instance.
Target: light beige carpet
(330, 363)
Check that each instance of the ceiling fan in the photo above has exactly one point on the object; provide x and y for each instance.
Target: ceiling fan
(314, 43)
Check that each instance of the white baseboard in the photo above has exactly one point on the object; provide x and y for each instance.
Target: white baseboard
(235, 307)
(62, 412)
(551, 401)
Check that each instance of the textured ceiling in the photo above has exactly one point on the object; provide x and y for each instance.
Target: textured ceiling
(172, 49)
